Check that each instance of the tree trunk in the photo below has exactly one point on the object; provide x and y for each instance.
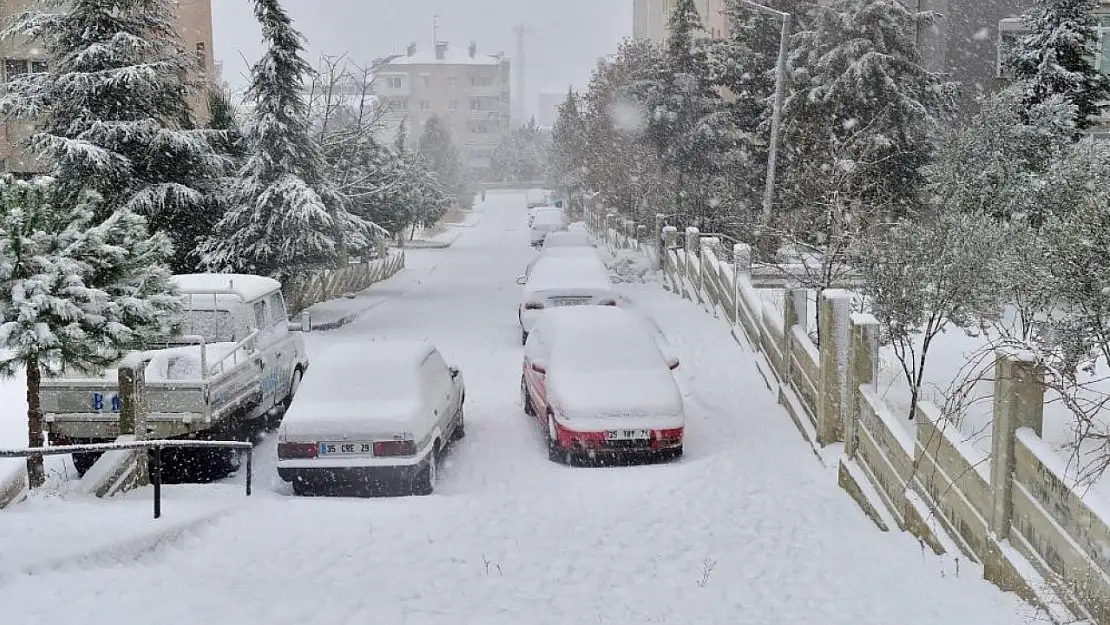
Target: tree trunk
(36, 473)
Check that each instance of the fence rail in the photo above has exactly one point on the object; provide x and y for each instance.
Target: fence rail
(156, 446)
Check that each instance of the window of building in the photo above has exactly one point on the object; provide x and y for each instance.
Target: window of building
(202, 56)
(479, 129)
(451, 81)
(453, 105)
(425, 105)
(15, 67)
(395, 82)
(427, 80)
(399, 105)
(38, 67)
(1103, 29)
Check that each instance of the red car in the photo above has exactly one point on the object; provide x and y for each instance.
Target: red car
(598, 383)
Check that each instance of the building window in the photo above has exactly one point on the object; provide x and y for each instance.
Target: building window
(481, 81)
(15, 67)
(453, 105)
(479, 129)
(1103, 60)
(38, 67)
(425, 105)
(395, 82)
(451, 81)
(427, 80)
(202, 57)
(399, 105)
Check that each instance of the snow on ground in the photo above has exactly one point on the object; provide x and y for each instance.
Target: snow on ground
(747, 528)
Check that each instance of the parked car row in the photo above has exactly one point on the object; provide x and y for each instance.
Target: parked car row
(596, 377)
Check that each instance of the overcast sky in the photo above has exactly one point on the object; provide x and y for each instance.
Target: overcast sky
(567, 35)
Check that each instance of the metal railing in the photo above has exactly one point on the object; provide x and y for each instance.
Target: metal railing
(157, 446)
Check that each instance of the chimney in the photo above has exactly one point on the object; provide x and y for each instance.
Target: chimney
(412, 49)
(473, 49)
(441, 50)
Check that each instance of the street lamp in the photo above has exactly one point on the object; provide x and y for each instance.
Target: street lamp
(776, 117)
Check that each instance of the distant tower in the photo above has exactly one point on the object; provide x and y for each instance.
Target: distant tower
(520, 117)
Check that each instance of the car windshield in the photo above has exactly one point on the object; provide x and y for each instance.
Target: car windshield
(550, 218)
(567, 239)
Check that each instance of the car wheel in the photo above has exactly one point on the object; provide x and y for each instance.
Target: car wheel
(301, 488)
(84, 461)
(526, 397)
(425, 482)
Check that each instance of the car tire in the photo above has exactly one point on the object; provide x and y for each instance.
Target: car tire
(301, 488)
(425, 482)
(83, 461)
(526, 398)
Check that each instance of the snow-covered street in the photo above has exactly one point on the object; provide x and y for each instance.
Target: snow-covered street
(748, 528)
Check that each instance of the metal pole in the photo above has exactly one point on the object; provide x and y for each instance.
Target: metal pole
(157, 480)
(776, 118)
(249, 469)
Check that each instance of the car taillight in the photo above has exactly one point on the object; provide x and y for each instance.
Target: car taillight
(293, 451)
(394, 448)
(533, 306)
(608, 302)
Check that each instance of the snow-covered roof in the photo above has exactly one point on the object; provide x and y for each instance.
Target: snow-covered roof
(578, 271)
(605, 335)
(242, 285)
(378, 370)
(451, 56)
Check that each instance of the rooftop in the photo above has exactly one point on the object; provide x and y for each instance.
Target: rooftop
(451, 56)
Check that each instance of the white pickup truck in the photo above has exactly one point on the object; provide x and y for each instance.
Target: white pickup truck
(236, 365)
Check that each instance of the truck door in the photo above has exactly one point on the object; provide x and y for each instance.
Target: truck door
(287, 346)
(266, 345)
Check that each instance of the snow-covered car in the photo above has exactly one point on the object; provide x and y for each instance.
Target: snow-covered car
(378, 413)
(545, 223)
(563, 280)
(538, 197)
(554, 210)
(559, 252)
(568, 239)
(597, 381)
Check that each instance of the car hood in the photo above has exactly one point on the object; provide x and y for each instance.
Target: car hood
(326, 420)
(614, 394)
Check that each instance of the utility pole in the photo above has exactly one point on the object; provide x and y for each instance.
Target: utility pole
(518, 96)
(776, 117)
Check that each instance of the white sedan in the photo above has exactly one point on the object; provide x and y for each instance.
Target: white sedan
(568, 239)
(558, 281)
(372, 414)
(545, 221)
(599, 384)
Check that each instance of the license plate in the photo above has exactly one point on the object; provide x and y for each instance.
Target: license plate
(346, 449)
(571, 301)
(628, 435)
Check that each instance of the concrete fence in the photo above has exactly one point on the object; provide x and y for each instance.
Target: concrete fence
(1011, 511)
(334, 283)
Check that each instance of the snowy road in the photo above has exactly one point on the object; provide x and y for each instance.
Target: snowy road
(747, 529)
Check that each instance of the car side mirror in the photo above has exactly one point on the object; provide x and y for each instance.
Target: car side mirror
(539, 367)
(672, 363)
(522, 280)
(454, 371)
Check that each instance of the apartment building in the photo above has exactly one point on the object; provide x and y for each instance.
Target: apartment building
(195, 28)
(649, 18)
(468, 91)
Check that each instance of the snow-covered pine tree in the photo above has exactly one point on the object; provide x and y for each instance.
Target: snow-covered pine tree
(74, 292)
(568, 147)
(1055, 58)
(111, 113)
(678, 112)
(437, 149)
(521, 155)
(284, 219)
(859, 90)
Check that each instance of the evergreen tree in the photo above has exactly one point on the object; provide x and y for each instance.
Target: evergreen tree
(857, 122)
(1056, 57)
(111, 113)
(521, 155)
(284, 219)
(441, 157)
(568, 147)
(75, 292)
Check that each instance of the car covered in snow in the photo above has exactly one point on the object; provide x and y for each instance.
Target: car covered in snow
(374, 414)
(600, 384)
(544, 221)
(538, 197)
(563, 280)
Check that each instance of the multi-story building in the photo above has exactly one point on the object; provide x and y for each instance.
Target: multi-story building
(468, 91)
(649, 18)
(194, 26)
